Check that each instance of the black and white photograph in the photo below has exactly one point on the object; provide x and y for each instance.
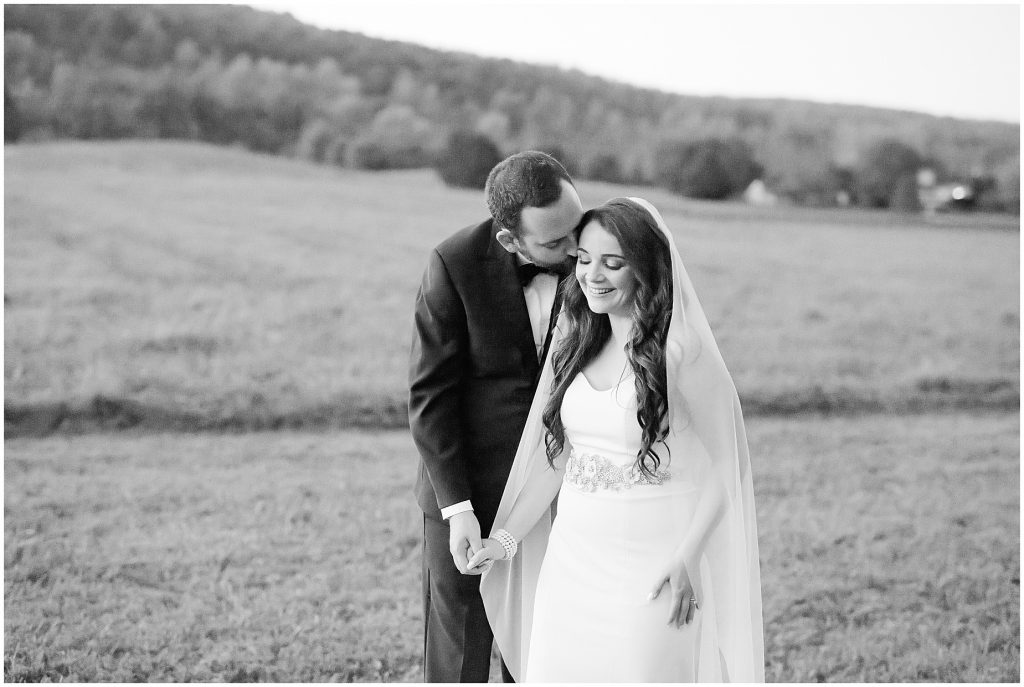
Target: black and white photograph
(547, 342)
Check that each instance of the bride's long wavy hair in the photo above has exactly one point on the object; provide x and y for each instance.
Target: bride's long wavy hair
(646, 251)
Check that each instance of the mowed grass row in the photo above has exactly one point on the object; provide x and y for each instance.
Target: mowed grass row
(220, 284)
(889, 552)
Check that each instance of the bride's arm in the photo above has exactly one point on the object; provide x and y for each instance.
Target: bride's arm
(534, 502)
(682, 572)
(710, 508)
(535, 499)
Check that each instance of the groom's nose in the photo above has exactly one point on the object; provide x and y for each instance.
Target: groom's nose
(572, 245)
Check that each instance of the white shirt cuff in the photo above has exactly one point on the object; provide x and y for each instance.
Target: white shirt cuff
(456, 508)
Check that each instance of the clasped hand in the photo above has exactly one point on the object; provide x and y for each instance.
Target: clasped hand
(490, 550)
(465, 544)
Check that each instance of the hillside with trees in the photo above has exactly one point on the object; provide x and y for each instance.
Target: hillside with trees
(237, 76)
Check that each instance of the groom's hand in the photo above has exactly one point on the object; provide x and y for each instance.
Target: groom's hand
(464, 540)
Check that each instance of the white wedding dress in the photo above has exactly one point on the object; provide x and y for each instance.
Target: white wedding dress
(610, 540)
(572, 604)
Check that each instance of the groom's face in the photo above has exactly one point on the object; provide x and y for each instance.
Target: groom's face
(547, 237)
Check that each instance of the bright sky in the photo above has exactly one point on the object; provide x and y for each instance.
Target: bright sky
(956, 60)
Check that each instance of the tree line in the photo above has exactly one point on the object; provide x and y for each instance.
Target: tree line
(234, 75)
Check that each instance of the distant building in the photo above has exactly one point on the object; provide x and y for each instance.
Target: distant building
(943, 197)
(758, 194)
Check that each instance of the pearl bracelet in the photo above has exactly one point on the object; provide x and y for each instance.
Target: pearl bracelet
(507, 542)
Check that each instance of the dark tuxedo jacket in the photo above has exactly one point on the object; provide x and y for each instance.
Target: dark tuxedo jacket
(473, 371)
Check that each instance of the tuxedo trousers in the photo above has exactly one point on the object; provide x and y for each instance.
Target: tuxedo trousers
(457, 638)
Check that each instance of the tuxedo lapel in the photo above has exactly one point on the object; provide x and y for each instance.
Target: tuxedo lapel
(506, 293)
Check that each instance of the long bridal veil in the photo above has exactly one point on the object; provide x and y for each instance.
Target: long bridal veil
(702, 396)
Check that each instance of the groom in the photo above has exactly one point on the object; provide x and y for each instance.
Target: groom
(483, 316)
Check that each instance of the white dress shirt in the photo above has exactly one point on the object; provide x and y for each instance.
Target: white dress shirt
(540, 297)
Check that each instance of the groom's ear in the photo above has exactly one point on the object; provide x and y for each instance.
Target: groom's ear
(507, 240)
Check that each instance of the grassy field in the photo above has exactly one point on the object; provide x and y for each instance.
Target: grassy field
(167, 286)
(212, 287)
(889, 551)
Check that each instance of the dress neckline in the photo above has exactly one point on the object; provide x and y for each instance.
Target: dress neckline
(623, 376)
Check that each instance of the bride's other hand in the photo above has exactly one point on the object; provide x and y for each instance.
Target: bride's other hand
(491, 550)
(681, 610)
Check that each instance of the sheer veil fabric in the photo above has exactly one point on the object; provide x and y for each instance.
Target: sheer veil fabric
(702, 396)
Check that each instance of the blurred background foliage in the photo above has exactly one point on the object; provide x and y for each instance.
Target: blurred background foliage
(237, 76)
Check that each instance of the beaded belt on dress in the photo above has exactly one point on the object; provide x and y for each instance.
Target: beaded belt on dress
(590, 472)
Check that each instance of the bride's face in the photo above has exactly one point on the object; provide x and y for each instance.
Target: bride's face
(606, 278)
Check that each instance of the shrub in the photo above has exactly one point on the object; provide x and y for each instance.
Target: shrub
(369, 156)
(398, 138)
(375, 156)
(1001, 189)
(708, 168)
(904, 196)
(313, 141)
(605, 167)
(884, 165)
(467, 159)
(12, 120)
(335, 151)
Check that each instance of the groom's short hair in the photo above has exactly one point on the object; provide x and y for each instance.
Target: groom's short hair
(527, 179)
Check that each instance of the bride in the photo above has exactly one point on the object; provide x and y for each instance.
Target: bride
(649, 572)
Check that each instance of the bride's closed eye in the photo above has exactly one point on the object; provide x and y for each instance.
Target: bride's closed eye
(612, 263)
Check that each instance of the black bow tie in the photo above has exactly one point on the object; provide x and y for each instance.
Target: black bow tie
(527, 271)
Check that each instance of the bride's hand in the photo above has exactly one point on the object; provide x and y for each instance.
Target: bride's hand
(681, 609)
(490, 551)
